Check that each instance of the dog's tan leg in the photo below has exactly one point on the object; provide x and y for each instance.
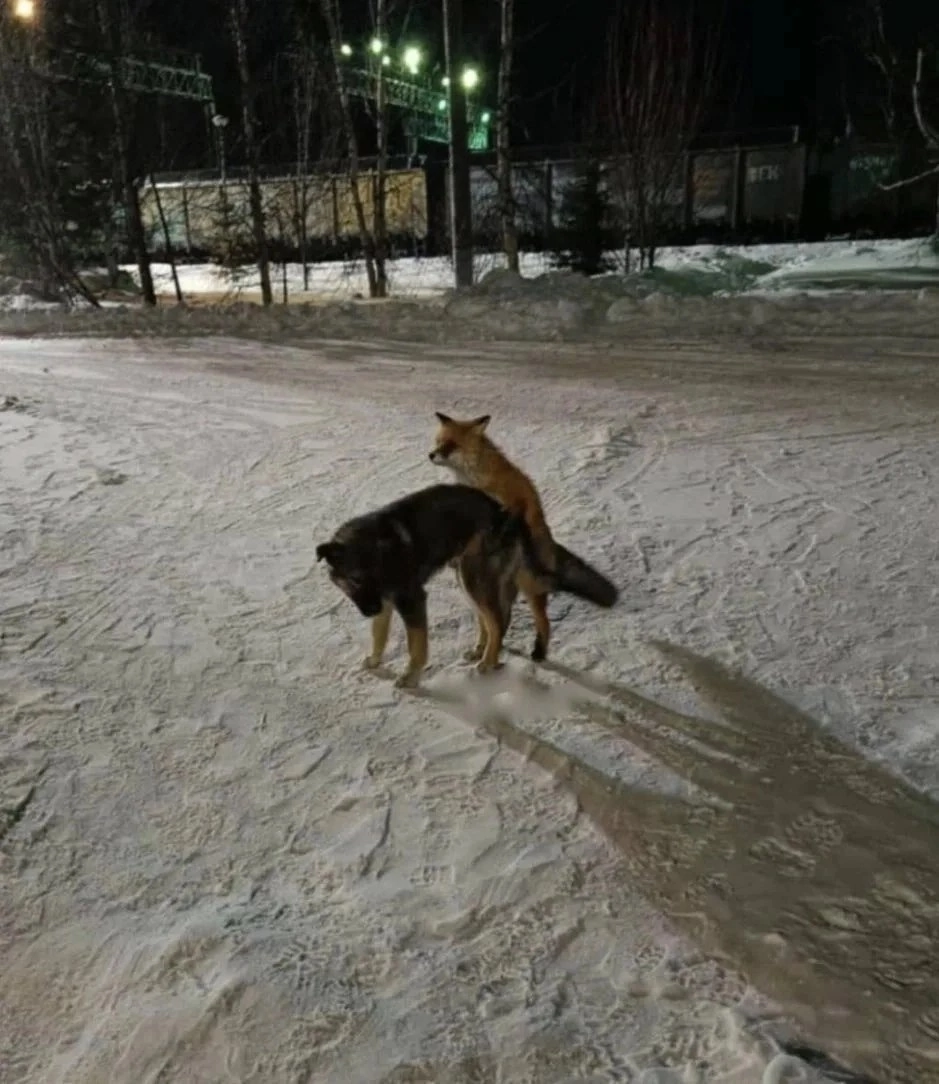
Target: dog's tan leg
(413, 611)
(494, 631)
(535, 591)
(476, 653)
(417, 657)
(467, 575)
(538, 601)
(380, 628)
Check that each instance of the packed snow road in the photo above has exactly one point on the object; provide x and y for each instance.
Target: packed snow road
(226, 853)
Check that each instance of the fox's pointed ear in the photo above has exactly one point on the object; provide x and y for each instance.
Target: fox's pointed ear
(329, 551)
(444, 419)
(479, 424)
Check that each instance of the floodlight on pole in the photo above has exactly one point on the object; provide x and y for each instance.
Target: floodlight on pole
(486, 118)
(442, 104)
(377, 46)
(345, 49)
(386, 60)
(412, 59)
(470, 78)
(24, 10)
(220, 123)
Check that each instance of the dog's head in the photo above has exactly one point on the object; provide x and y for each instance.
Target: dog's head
(352, 576)
(455, 441)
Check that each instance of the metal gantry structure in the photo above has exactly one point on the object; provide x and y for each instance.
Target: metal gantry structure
(424, 108)
(183, 78)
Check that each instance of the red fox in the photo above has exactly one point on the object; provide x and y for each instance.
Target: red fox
(464, 447)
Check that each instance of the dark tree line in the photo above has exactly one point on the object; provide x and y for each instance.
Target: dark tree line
(75, 156)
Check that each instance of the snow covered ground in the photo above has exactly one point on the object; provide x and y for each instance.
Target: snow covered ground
(227, 853)
(690, 269)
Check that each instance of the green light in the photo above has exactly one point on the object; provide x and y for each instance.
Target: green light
(386, 60)
(412, 59)
(445, 82)
(377, 46)
(345, 49)
(442, 104)
(486, 118)
(469, 78)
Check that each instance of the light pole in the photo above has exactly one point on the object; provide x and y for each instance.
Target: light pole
(461, 214)
(220, 123)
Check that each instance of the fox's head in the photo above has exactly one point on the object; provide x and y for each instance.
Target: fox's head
(456, 441)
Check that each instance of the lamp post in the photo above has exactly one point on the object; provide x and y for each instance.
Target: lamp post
(220, 123)
(461, 214)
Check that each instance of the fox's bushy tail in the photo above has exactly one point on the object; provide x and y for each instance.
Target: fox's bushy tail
(574, 575)
(570, 573)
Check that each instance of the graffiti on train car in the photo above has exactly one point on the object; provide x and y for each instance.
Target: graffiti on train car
(712, 179)
(773, 181)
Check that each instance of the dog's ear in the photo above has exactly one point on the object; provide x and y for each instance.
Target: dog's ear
(329, 551)
(479, 424)
(444, 419)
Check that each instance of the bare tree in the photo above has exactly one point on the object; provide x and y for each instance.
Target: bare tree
(167, 240)
(238, 22)
(507, 209)
(330, 10)
(869, 29)
(114, 27)
(661, 74)
(929, 132)
(380, 176)
(307, 100)
(37, 128)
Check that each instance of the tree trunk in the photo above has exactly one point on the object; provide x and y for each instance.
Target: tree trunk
(380, 221)
(304, 91)
(503, 138)
(166, 239)
(461, 208)
(111, 241)
(365, 235)
(239, 23)
(136, 234)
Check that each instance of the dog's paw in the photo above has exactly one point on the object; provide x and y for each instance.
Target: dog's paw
(473, 655)
(408, 680)
(489, 667)
(539, 652)
(370, 662)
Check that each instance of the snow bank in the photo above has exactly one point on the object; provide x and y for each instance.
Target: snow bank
(770, 291)
(521, 311)
(17, 295)
(697, 270)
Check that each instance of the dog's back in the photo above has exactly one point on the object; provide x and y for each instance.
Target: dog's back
(407, 541)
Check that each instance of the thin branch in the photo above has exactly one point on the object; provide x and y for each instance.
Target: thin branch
(933, 171)
(930, 134)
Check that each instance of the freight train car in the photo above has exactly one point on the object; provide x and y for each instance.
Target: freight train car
(197, 214)
(733, 193)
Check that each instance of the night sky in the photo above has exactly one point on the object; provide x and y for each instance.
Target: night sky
(773, 72)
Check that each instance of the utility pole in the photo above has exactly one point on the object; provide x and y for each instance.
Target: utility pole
(461, 211)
